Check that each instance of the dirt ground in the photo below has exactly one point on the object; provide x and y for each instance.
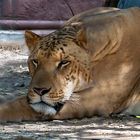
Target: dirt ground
(14, 80)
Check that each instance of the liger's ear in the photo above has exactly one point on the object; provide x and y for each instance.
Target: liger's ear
(31, 39)
(81, 37)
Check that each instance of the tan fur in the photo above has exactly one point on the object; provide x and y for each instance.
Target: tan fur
(18, 110)
(100, 74)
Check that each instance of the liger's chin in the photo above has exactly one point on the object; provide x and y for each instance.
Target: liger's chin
(47, 109)
(44, 105)
(44, 108)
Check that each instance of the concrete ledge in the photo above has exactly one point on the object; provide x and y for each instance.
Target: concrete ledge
(29, 24)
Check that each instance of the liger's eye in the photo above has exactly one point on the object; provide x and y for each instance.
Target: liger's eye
(35, 62)
(63, 63)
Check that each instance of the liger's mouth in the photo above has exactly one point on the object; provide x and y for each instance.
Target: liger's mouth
(41, 102)
(57, 106)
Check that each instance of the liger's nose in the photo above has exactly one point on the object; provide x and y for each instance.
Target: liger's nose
(41, 91)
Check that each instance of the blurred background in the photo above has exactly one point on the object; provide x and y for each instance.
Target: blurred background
(40, 16)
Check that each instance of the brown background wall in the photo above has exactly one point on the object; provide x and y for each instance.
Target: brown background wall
(46, 9)
(43, 14)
